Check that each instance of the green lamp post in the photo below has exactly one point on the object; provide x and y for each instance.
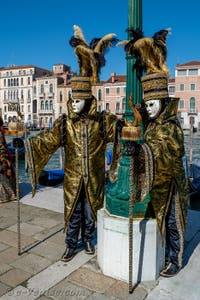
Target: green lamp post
(118, 194)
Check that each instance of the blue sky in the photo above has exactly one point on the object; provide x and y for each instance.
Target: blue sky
(38, 32)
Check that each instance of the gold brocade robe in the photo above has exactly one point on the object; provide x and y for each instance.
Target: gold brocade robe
(84, 150)
(165, 138)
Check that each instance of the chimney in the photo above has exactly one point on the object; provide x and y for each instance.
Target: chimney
(113, 74)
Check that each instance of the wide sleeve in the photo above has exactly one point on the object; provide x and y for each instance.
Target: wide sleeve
(111, 123)
(39, 149)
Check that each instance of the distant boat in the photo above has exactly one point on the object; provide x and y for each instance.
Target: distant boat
(14, 132)
(51, 177)
(194, 186)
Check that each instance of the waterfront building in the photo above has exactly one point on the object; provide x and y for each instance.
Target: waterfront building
(38, 93)
(187, 88)
(115, 94)
(42, 94)
(16, 87)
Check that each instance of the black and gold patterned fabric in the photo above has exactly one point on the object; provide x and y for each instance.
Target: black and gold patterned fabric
(165, 138)
(84, 155)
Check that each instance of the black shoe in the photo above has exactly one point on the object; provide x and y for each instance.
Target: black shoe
(170, 271)
(89, 249)
(68, 254)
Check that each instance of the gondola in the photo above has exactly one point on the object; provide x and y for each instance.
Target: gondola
(194, 186)
(51, 177)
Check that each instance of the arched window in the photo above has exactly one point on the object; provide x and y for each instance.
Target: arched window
(46, 105)
(51, 88)
(34, 106)
(51, 105)
(29, 94)
(61, 97)
(123, 105)
(42, 105)
(192, 105)
(99, 94)
(42, 88)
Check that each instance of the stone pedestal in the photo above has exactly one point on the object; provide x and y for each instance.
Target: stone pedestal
(113, 247)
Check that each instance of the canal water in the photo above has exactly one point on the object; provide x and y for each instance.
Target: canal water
(192, 154)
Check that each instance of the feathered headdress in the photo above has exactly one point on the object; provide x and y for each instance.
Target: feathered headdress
(150, 52)
(91, 56)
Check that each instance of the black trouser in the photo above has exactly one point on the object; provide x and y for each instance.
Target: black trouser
(174, 235)
(81, 219)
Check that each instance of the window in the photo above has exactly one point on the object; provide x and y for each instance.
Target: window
(22, 81)
(123, 104)
(51, 105)
(29, 108)
(124, 90)
(99, 108)
(46, 105)
(5, 108)
(192, 87)
(51, 88)
(171, 89)
(99, 95)
(61, 97)
(34, 106)
(182, 87)
(117, 107)
(29, 94)
(107, 107)
(34, 89)
(181, 104)
(42, 88)
(107, 91)
(22, 94)
(60, 109)
(118, 90)
(193, 72)
(29, 80)
(69, 95)
(181, 72)
(192, 105)
(42, 105)
(4, 82)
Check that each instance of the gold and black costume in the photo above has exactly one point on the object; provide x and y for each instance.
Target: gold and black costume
(85, 147)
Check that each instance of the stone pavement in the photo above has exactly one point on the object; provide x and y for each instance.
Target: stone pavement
(39, 274)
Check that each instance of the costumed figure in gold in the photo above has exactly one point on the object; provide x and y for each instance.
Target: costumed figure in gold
(7, 173)
(83, 133)
(164, 136)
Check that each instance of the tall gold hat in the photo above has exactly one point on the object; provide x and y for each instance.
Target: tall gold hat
(155, 86)
(81, 87)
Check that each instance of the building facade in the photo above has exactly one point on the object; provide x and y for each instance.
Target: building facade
(187, 88)
(42, 94)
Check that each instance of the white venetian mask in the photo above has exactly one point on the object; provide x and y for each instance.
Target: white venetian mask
(153, 108)
(78, 105)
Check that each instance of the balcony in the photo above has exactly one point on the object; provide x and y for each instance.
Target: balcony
(50, 95)
(45, 111)
(193, 112)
